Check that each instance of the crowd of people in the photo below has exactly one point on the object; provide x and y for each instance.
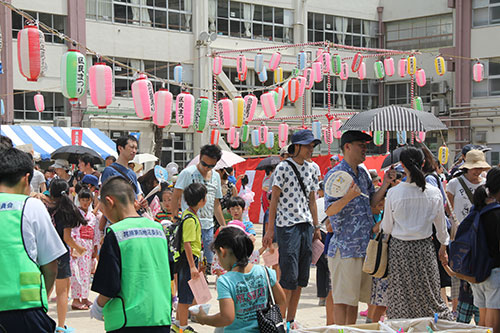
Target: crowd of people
(83, 230)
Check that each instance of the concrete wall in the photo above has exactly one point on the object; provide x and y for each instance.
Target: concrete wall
(59, 7)
(399, 10)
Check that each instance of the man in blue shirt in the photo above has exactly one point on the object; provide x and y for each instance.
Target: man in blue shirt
(351, 219)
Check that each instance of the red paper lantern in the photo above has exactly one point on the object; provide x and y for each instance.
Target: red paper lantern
(31, 52)
(39, 102)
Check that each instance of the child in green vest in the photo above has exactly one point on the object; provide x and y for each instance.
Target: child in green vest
(187, 264)
(133, 267)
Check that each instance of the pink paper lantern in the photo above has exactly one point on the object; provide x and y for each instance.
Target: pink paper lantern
(225, 113)
(293, 90)
(283, 132)
(268, 105)
(217, 66)
(214, 137)
(344, 71)
(263, 130)
(302, 85)
(143, 96)
(184, 109)
(337, 133)
(319, 53)
(308, 75)
(478, 72)
(236, 142)
(362, 71)
(317, 73)
(282, 144)
(389, 66)
(250, 106)
(356, 62)
(31, 52)
(231, 134)
(402, 67)
(420, 137)
(39, 102)
(281, 98)
(328, 135)
(326, 62)
(275, 60)
(421, 78)
(163, 108)
(241, 64)
(101, 85)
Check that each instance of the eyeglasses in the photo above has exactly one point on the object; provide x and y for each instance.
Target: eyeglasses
(210, 166)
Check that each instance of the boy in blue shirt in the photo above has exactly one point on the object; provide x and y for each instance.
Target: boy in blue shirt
(236, 206)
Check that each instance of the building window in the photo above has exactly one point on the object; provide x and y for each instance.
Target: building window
(24, 106)
(341, 30)
(420, 33)
(490, 86)
(350, 94)
(495, 158)
(56, 22)
(244, 20)
(178, 148)
(485, 12)
(162, 14)
(400, 93)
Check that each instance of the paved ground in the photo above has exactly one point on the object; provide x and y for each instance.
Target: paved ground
(309, 313)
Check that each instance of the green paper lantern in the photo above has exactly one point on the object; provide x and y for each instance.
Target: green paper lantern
(73, 75)
(418, 104)
(245, 133)
(378, 138)
(336, 64)
(202, 108)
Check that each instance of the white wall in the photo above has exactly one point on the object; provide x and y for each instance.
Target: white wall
(363, 9)
(404, 9)
(59, 7)
(481, 42)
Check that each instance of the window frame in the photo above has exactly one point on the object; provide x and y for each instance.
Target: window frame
(28, 107)
(49, 37)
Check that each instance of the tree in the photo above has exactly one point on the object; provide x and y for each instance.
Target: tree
(262, 150)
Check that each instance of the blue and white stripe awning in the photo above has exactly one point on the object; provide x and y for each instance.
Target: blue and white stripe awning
(46, 139)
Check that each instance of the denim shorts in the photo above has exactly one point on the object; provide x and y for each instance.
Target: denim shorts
(184, 292)
(63, 267)
(295, 254)
(487, 293)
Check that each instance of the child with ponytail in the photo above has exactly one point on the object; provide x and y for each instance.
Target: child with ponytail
(243, 289)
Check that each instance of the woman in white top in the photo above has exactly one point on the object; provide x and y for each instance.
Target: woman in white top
(411, 208)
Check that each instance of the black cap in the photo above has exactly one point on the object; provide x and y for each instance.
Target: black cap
(351, 136)
(467, 148)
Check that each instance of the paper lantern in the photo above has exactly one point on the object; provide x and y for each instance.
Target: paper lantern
(402, 68)
(101, 85)
(263, 131)
(420, 137)
(217, 65)
(326, 62)
(214, 137)
(316, 70)
(418, 103)
(478, 72)
(245, 133)
(401, 137)
(302, 85)
(362, 71)
(328, 135)
(241, 64)
(184, 109)
(278, 75)
(178, 73)
(344, 71)
(337, 133)
(268, 105)
(421, 78)
(259, 63)
(293, 90)
(319, 53)
(74, 75)
(242, 76)
(316, 129)
(443, 155)
(301, 60)
(225, 113)
(389, 66)
(412, 65)
(275, 60)
(281, 98)
(163, 108)
(231, 134)
(308, 75)
(283, 132)
(2, 108)
(201, 110)
(276, 97)
(31, 52)
(255, 138)
(336, 64)
(378, 66)
(236, 142)
(282, 144)
(143, 96)
(378, 138)
(440, 65)
(263, 75)
(239, 111)
(250, 106)
(39, 102)
(270, 140)
(356, 62)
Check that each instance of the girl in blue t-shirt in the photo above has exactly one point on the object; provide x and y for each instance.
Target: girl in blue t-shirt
(243, 289)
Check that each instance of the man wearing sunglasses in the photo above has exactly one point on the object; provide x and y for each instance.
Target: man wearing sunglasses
(203, 173)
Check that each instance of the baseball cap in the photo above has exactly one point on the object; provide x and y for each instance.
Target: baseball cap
(471, 146)
(302, 137)
(335, 158)
(90, 179)
(62, 164)
(351, 136)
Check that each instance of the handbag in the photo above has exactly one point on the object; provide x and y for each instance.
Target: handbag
(269, 318)
(375, 263)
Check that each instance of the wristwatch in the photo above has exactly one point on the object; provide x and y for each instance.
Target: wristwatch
(317, 226)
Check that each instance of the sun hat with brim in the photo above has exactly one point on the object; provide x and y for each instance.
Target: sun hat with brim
(475, 159)
(237, 224)
(302, 137)
(61, 164)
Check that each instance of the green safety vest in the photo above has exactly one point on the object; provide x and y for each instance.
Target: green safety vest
(21, 284)
(145, 295)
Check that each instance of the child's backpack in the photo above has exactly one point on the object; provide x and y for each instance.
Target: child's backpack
(174, 236)
(469, 256)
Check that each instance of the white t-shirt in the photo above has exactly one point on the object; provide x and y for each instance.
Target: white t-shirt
(320, 204)
(41, 240)
(38, 178)
(461, 203)
(318, 170)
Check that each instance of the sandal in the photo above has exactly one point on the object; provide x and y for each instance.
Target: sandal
(88, 303)
(66, 329)
(79, 307)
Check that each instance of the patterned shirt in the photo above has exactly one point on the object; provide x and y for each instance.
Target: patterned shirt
(352, 226)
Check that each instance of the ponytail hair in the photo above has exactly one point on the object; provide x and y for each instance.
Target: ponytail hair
(492, 187)
(235, 239)
(64, 208)
(413, 158)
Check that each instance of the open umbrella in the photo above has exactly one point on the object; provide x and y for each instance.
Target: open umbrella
(227, 160)
(144, 158)
(71, 154)
(393, 157)
(268, 161)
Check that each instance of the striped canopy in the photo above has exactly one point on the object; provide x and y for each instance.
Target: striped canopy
(393, 118)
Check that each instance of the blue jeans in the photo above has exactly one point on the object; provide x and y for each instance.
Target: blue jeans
(207, 237)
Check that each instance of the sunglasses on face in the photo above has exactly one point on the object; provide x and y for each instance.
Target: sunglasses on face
(210, 166)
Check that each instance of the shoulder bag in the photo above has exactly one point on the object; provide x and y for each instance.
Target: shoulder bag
(269, 318)
(375, 263)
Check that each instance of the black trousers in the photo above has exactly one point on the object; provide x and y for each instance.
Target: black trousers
(322, 273)
(31, 320)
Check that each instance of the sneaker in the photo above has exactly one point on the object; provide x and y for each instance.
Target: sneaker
(208, 269)
(363, 313)
(174, 328)
(455, 315)
(188, 329)
(322, 301)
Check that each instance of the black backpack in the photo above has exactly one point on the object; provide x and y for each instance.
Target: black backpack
(174, 236)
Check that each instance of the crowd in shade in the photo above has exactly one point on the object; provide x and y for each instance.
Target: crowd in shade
(145, 245)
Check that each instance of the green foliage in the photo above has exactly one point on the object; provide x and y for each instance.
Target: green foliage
(261, 150)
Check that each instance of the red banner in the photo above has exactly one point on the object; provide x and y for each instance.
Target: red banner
(76, 137)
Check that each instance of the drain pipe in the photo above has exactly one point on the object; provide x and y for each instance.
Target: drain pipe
(380, 34)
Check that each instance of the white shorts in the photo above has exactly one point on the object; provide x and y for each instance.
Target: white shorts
(487, 293)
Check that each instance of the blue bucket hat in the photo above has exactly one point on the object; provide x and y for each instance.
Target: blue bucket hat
(90, 179)
(302, 137)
